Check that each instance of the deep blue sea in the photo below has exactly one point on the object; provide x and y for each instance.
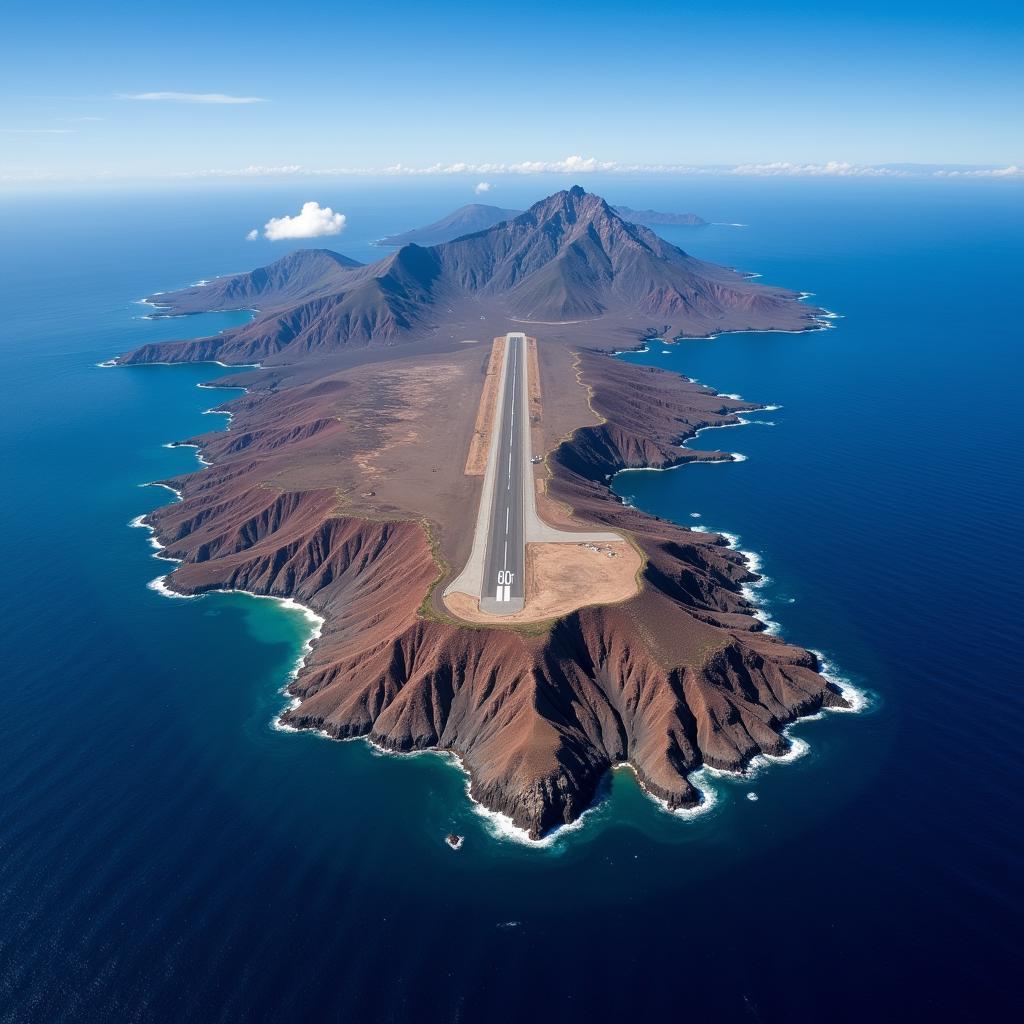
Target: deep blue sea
(165, 855)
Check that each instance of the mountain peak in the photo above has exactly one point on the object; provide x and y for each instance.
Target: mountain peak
(576, 203)
(569, 258)
(567, 216)
(570, 206)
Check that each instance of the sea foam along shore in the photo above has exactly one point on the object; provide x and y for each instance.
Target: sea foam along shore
(498, 825)
(316, 621)
(857, 698)
(220, 412)
(698, 779)
(501, 827)
(185, 444)
(753, 563)
(727, 459)
(822, 322)
(106, 364)
(160, 586)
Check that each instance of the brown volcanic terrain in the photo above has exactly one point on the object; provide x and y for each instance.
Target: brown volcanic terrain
(569, 258)
(341, 483)
(478, 217)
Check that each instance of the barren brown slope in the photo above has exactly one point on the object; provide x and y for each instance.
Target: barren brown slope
(569, 257)
(680, 676)
(294, 278)
(354, 307)
(477, 217)
(466, 219)
(572, 255)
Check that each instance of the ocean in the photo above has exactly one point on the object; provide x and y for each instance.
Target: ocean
(167, 855)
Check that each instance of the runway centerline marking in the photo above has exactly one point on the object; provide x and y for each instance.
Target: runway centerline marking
(502, 583)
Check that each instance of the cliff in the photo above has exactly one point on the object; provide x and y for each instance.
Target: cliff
(680, 676)
(339, 482)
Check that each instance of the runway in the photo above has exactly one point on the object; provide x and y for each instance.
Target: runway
(502, 589)
(507, 519)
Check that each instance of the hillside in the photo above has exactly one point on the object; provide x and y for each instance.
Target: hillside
(297, 276)
(479, 217)
(569, 258)
(463, 221)
(689, 220)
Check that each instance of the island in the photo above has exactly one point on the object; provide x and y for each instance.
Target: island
(686, 220)
(480, 216)
(463, 221)
(390, 404)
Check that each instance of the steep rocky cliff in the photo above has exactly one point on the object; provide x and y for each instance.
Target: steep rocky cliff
(680, 676)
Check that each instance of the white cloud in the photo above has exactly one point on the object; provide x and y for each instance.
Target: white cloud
(834, 168)
(578, 165)
(314, 221)
(252, 171)
(1013, 171)
(839, 169)
(570, 165)
(189, 97)
(253, 235)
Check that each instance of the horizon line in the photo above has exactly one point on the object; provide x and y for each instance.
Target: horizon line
(569, 166)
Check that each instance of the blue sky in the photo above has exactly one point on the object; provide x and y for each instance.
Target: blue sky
(339, 86)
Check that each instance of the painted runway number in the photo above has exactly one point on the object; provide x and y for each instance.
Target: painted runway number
(504, 591)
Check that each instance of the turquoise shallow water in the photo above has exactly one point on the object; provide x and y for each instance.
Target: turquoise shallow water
(165, 853)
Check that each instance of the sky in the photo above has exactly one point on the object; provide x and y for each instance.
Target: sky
(99, 92)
